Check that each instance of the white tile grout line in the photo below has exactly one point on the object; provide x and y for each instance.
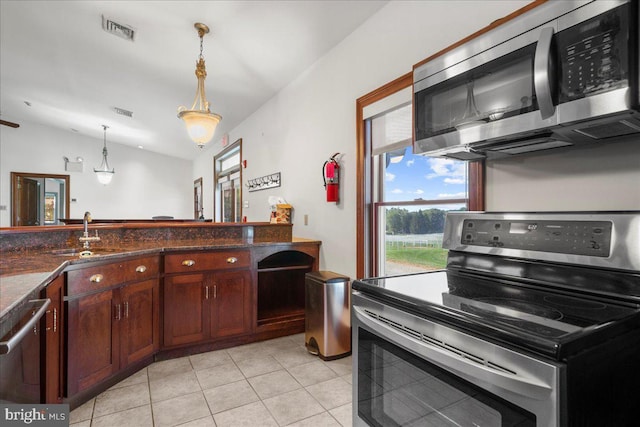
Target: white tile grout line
(292, 338)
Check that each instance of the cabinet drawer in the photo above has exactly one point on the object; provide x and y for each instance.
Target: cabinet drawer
(198, 261)
(107, 275)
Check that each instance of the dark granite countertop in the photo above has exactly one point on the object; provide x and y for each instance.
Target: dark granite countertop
(25, 272)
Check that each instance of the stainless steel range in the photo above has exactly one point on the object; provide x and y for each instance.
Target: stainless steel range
(534, 322)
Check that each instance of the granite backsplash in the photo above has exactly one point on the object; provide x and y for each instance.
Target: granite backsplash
(22, 239)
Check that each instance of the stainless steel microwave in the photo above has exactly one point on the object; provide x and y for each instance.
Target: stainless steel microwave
(561, 74)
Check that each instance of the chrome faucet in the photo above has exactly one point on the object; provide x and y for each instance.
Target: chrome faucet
(85, 236)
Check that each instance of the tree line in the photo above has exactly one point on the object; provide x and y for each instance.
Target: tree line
(402, 221)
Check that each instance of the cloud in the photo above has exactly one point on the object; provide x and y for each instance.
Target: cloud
(410, 162)
(389, 176)
(418, 192)
(453, 172)
(397, 191)
(454, 180)
(460, 195)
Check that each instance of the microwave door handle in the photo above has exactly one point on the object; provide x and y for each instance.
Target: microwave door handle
(541, 75)
(529, 387)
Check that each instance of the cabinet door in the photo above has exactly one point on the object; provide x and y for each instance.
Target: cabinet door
(184, 314)
(93, 340)
(231, 305)
(53, 342)
(139, 328)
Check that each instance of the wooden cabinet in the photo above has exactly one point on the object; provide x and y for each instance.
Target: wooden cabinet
(230, 311)
(208, 299)
(202, 306)
(184, 309)
(54, 321)
(112, 318)
(139, 328)
(281, 271)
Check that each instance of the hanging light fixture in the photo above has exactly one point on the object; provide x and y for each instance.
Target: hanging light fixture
(103, 173)
(201, 122)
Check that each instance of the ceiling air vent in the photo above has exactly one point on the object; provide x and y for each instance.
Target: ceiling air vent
(119, 30)
(123, 112)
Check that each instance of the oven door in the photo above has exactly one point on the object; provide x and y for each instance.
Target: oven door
(410, 371)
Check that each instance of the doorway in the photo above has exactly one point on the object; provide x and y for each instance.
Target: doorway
(38, 199)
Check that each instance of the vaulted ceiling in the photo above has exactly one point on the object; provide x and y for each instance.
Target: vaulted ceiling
(58, 67)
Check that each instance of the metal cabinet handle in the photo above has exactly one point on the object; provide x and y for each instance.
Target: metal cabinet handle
(126, 309)
(232, 260)
(141, 269)
(96, 278)
(188, 262)
(206, 292)
(117, 314)
(215, 291)
(55, 320)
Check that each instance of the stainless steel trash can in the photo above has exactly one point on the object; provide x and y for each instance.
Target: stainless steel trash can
(327, 314)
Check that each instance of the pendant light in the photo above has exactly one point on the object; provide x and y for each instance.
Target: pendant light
(103, 173)
(201, 122)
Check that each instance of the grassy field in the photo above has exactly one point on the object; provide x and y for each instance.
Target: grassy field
(423, 257)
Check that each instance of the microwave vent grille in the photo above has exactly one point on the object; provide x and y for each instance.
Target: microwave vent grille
(609, 130)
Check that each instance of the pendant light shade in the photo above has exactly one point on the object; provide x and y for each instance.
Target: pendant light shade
(103, 173)
(200, 121)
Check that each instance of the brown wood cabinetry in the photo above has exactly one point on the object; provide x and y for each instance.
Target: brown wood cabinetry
(281, 271)
(210, 304)
(230, 313)
(140, 331)
(54, 321)
(112, 319)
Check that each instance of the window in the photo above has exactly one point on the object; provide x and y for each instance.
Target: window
(228, 188)
(403, 197)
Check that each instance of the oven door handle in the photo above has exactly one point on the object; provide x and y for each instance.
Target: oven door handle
(10, 344)
(528, 387)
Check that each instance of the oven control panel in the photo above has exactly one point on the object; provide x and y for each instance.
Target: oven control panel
(592, 238)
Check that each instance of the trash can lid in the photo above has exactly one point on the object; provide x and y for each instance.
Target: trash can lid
(327, 276)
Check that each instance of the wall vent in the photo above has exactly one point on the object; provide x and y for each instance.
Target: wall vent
(120, 30)
(123, 112)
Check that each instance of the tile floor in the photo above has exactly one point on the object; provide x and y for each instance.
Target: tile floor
(270, 383)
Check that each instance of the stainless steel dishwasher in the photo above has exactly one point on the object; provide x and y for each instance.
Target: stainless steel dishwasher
(20, 374)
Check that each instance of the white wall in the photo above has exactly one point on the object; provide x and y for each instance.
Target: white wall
(314, 117)
(145, 184)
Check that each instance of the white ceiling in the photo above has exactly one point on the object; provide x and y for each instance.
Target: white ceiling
(56, 56)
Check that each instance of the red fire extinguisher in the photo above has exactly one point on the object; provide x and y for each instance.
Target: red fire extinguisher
(331, 176)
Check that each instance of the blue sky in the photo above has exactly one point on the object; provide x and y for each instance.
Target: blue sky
(416, 176)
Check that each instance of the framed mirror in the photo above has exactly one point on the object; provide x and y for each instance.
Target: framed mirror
(38, 199)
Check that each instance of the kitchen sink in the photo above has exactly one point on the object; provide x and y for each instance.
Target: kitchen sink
(84, 253)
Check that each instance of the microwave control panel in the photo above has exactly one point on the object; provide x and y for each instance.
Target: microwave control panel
(593, 55)
(592, 238)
